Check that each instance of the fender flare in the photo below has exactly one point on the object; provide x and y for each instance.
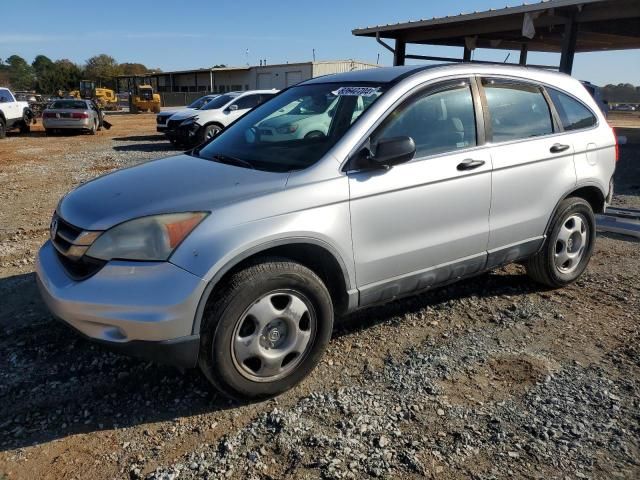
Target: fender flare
(349, 284)
(566, 195)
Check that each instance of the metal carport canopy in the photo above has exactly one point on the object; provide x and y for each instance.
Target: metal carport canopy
(564, 26)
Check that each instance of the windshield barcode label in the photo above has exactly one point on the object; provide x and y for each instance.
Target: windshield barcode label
(356, 91)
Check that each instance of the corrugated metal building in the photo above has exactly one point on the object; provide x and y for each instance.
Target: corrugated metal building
(227, 79)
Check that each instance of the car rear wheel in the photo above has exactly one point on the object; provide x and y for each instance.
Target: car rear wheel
(94, 128)
(266, 330)
(3, 128)
(568, 247)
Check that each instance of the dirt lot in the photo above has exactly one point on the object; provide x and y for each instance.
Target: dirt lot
(494, 377)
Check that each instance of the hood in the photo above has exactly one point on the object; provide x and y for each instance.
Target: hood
(175, 184)
(168, 113)
(184, 114)
(282, 120)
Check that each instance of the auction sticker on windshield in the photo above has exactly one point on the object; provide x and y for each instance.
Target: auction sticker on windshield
(356, 91)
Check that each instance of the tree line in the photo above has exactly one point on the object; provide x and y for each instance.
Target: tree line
(48, 76)
(621, 93)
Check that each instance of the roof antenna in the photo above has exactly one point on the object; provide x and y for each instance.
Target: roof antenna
(507, 57)
(314, 54)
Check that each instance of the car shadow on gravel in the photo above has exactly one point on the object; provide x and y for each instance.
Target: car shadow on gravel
(146, 147)
(54, 383)
(141, 138)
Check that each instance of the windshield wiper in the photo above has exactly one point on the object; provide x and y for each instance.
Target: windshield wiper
(232, 161)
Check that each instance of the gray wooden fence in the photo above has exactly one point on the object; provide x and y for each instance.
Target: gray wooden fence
(179, 99)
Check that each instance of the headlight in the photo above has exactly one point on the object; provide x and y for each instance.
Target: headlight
(291, 128)
(146, 238)
(188, 121)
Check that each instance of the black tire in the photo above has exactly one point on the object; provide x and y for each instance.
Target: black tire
(226, 313)
(3, 128)
(209, 131)
(315, 134)
(48, 132)
(543, 266)
(25, 125)
(94, 128)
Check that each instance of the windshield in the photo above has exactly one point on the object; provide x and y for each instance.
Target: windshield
(200, 102)
(218, 102)
(293, 130)
(70, 104)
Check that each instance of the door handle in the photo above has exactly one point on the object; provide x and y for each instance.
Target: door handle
(558, 147)
(470, 164)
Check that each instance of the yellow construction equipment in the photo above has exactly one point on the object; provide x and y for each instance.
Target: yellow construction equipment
(104, 97)
(143, 99)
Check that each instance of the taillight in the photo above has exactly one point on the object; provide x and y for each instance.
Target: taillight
(79, 115)
(615, 139)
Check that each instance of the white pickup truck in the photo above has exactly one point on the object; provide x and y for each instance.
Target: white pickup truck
(13, 114)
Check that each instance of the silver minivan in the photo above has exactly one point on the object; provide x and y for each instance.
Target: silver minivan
(237, 255)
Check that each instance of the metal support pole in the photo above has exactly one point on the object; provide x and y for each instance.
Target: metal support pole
(568, 45)
(400, 52)
(466, 56)
(524, 49)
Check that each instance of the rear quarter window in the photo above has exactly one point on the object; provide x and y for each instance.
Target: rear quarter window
(573, 114)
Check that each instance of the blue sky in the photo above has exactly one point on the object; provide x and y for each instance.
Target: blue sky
(175, 35)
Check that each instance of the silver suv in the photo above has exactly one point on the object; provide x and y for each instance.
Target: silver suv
(238, 255)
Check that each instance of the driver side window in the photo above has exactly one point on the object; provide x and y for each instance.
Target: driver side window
(439, 122)
(249, 101)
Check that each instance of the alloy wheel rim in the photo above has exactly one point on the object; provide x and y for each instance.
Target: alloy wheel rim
(571, 243)
(212, 132)
(273, 336)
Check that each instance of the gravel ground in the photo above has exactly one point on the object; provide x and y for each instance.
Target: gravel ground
(493, 377)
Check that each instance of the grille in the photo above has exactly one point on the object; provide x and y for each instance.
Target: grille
(173, 124)
(71, 244)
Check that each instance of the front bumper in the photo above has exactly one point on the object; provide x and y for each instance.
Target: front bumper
(184, 134)
(143, 308)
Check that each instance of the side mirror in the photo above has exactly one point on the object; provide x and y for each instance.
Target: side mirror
(233, 108)
(3, 99)
(394, 151)
(389, 152)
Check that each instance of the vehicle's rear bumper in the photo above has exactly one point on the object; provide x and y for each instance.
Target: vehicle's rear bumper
(137, 307)
(67, 124)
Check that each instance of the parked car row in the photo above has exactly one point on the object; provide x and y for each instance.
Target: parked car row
(60, 114)
(201, 121)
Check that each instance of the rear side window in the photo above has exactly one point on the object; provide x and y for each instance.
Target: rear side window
(517, 111)
(439, 122)
(573, 114)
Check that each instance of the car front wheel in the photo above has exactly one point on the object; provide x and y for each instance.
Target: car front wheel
(209, 132)
(266, 330)
(568, 247)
